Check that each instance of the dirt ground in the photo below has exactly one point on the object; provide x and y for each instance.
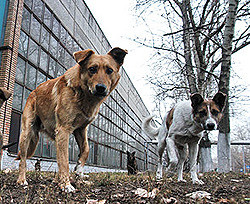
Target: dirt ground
(121, 188)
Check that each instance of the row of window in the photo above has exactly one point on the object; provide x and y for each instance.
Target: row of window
(98, 153)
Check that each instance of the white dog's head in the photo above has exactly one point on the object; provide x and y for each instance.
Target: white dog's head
(208, 112)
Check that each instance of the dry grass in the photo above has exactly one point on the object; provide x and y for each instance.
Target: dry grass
(120, 188)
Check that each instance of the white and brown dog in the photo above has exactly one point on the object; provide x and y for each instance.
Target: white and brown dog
(182, 130)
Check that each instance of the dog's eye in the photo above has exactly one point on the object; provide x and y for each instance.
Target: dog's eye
(109, 71)
(92, 70)
(202, 113)
(215, 112)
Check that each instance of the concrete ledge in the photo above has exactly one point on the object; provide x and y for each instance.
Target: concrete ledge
(11, 163)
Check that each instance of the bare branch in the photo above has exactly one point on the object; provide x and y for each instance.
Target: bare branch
(240, 47)
(158, 48)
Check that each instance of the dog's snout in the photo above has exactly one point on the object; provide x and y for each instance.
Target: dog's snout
(100, 88)
(210, 126)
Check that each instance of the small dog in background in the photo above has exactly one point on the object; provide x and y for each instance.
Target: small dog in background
(181, 131)
(4, 96)
(38, 165)
(131, 163)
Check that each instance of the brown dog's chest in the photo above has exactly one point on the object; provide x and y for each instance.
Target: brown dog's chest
(59, 105)
(75, 112)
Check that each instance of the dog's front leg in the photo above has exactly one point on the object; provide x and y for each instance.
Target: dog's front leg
(193, 153)
(82, 141)
(62, 153)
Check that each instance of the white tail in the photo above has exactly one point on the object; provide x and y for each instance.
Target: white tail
(148, 128)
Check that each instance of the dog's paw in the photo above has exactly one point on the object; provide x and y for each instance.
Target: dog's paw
(79, 171)
(68, 188)
(158, 176)
(171, 168)
(198, 181)
(182, 180)
(22, 182)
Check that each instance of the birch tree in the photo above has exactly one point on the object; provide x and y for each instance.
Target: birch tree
(223, 148)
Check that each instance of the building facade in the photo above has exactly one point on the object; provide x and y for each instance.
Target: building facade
(38, 39)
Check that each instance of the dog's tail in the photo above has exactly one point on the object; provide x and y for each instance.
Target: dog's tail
(148, 128)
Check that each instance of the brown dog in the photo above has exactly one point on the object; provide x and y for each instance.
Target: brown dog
(4, 96)
(68, 104)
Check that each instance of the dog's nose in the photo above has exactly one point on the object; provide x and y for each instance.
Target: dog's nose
(100, 88)
(210, 126)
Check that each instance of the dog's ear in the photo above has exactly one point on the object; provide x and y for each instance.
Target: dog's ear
(4, 94)
(118, 55)
(220, 100)
(196, 100)
(128, 153)
(81, 56)
(133, 153)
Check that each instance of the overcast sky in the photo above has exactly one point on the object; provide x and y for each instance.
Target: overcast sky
(116, 19)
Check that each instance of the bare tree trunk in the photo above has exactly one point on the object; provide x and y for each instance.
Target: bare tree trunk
(187, 47)
(188, 21)
(223, 148)
(205, 161)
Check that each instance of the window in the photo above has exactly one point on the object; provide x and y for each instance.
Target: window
(40, 78)
(43, 60)
(56, 27)
(71, 147)
(31, 77)
(17, 97)
(60, 70)
(35, 29)
(61, 54)
(45, 38)
(69, 43)
(53, 46)
(52, 68)
(91, 153)
(76, 47)
(23, 44)
(33, 52)
(26, 20)
(63, 35)
(26, 95)
(14, 131)
(47, 17)
(38, 8)
(20, 70)
(28, 3)
(46, 146)
(68, 60)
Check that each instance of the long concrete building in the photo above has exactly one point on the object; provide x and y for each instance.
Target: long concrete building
(38, 38)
